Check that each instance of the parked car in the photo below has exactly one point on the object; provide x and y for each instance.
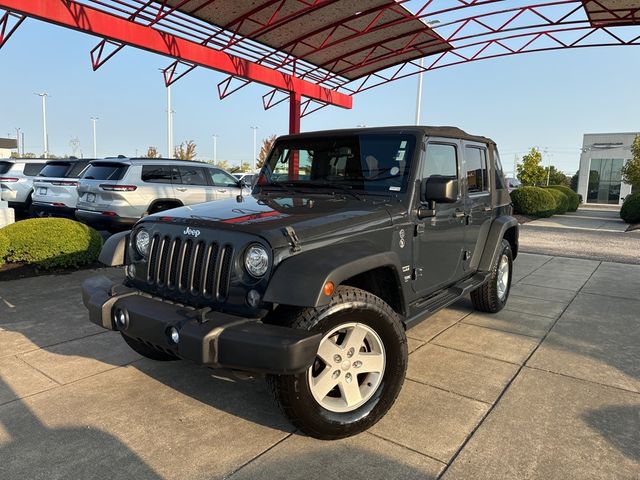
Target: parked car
(55, 189)
(247, 178)
(513, 183)
(16, 180)
(314, 280)
(114, 193)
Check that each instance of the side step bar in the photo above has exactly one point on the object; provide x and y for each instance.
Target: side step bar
(444, 298)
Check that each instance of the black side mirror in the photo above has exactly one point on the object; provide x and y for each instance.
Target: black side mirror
(242, 183)
(439, 189)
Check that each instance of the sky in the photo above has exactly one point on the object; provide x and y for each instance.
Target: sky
(548, 100)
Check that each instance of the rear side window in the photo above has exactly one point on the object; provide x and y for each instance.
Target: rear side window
(57, 169)
(5, 167)
(159, 174)
(105, 171)
(477, 178)
(77, 169)
(192, 176)
(33, 169)
(500, 181)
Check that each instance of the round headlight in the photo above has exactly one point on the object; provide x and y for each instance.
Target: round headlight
(142, 242)
(256, 260)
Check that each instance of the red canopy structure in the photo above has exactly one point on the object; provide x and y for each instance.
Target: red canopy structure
(316, 53)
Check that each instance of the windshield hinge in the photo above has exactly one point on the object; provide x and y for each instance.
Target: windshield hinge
(294, 242)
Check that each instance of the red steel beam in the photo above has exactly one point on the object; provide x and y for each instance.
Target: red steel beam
(70, 14)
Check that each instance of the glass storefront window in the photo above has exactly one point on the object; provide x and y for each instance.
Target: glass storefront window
(605, 179)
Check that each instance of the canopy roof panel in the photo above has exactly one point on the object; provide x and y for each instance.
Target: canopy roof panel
(612, 13)
(349, 38)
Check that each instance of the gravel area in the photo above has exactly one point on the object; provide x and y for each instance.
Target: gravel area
(596, 234)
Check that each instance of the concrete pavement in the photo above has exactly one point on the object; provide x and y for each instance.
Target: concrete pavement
(547, 388)
(592, 232)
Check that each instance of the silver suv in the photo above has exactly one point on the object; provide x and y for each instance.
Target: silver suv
(114, 193)
(55, 189)
(16, 180)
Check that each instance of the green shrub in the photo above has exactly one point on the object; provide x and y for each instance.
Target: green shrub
(630, 211)
(574, 199)
(534, 201)
(52, 243)
(4, 248)
(561, 200)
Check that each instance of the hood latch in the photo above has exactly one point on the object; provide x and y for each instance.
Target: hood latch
(294, 241)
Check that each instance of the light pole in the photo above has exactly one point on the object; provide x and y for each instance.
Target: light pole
(18, 141)
(419, 95)
(215, 149)
(169, 123)
(95, 143)
(44, 96)
(255, 129)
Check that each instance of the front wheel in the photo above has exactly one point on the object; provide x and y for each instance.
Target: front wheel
(358, 371)
(492, 295)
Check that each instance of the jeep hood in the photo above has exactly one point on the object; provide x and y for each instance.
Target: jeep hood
(312, 217)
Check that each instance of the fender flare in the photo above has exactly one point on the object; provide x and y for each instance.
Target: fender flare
(494, 240)
(299, 280)
(114, 250)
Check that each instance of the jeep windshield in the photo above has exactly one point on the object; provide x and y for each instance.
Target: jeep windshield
(370, 163)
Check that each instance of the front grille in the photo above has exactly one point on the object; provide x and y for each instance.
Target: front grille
(189, 266)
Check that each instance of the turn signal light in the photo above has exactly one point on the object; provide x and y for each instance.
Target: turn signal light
(117, 188)
(8, 179)
(63, 183)
(328, 288)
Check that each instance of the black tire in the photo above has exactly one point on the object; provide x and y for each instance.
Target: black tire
(293, 393)
(147, 351)
(486, 298)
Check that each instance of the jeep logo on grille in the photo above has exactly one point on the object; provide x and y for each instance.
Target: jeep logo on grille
(192, 232)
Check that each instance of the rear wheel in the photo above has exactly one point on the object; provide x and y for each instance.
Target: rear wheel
(492, 295)
(358, 372)
(147, 351)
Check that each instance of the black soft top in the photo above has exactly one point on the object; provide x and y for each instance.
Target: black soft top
(446, 132)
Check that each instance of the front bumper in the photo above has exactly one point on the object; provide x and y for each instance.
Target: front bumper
(210, 338)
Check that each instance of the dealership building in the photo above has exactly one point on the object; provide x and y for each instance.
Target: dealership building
(602, 158)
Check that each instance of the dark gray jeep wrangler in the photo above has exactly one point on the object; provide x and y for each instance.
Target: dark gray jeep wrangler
(348, 239)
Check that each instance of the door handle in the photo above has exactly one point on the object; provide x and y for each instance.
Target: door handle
(488, 208)
(459, 214)
(222, 190)
(181, 189)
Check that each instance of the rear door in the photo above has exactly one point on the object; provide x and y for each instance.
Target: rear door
(158, 183)
(192, 186)
(478, 200)
(439, 240)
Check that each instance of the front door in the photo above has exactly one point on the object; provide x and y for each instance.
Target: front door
(439, 240)
(479, 204)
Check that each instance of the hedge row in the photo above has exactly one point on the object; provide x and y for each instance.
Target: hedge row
(49, 243)
(544, 202)
(630, 211)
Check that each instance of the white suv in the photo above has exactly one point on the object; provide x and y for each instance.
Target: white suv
(55, 189)
(16, 180)
(114, 193)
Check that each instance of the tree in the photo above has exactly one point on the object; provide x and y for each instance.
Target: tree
(530, 172)
(223, 164)
(574, 182)
(152, 152)
(245, 167)
(267, 143)
(556, 177)
(185, 151)
(631, 170)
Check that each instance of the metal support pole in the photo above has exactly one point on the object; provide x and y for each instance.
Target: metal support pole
(294, 128)
(44, 96)
(18, 141)
(419, 95)
(169, 124)
(95, 142)
(215, 148)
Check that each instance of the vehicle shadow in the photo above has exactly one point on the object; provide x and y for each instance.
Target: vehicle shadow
(620, 425)
(31, 449)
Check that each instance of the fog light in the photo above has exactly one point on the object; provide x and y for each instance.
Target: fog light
(174, 336)
(120, 318)
(253, 298)
(131, 271)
